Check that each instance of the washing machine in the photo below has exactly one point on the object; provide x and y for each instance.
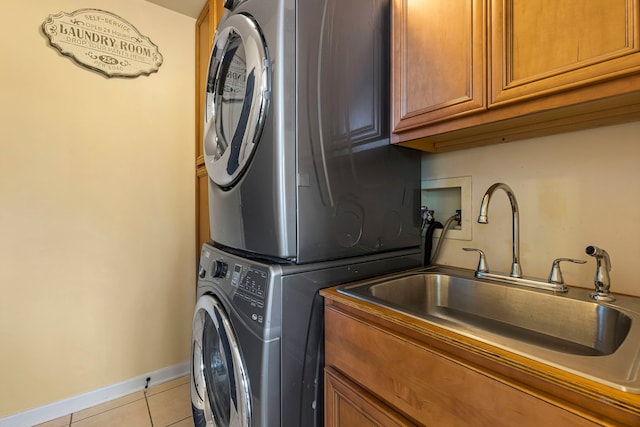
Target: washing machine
(296, 138)
(257, 345)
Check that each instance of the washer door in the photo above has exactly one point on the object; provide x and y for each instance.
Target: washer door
(237, 98)
(220, 394)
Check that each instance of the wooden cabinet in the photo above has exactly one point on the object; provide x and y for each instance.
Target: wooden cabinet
(204, 39)
(202, 208)
(438, 60)
(540, 47)
(205, 30)
(349, 405)
(486, 71)
(386, 369)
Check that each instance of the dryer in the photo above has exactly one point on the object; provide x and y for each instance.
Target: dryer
(296, 140)
(257, 345)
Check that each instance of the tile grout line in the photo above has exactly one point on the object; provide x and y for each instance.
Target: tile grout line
(146, 401)
(146, 398)
(167, 389)
(71, 421)
(179, 421)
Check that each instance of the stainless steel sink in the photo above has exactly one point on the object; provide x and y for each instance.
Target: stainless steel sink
(562, 324)
(570, 331)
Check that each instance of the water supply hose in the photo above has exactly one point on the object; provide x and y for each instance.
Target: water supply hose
(428, 257)
(428, 241)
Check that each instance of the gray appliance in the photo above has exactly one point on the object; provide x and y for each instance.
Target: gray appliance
(305, 192)
(257, 346)
(297, 133)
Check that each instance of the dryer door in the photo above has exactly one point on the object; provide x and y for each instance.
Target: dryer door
(237, 98)
(220, 394)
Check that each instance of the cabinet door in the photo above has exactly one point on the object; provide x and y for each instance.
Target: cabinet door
(438, 65)
(347, 405)
(202, 208)
(205, 30)
(541, 47)
(429, 386)
(203, 49)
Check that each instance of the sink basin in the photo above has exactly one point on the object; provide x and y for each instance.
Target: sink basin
(562, 324)
(569, 331)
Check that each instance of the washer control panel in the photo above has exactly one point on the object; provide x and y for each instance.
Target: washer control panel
(250, 282)
(245, 285)
(251, 287)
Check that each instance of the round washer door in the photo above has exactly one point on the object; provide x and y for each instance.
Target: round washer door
(220, 394)
(237, 98)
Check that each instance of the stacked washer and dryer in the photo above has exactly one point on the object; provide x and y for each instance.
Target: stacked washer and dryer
(305, 192)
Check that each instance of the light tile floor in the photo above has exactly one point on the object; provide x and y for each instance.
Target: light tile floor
(163, 405)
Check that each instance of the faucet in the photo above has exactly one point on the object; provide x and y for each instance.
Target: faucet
(602, 281)
(483, 218)
(554, 282)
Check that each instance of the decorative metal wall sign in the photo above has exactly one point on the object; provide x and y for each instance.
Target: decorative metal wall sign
(103, 42)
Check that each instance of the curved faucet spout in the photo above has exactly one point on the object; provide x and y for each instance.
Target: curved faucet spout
(483, 218)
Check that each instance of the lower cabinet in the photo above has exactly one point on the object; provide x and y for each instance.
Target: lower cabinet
(348, 405)
(377, 376)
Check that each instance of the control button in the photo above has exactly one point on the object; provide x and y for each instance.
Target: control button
(243, 297)
(202, 273)
(219, 269)
(254, 317)
(235, 276)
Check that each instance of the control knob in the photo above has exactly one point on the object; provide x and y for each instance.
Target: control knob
(219, 269)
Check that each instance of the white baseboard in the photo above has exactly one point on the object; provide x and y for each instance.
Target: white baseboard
(92, 398)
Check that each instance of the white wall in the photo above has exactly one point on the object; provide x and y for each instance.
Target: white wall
(574, 190)
(96, 208)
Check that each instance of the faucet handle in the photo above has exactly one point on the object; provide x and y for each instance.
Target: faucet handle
(555, 276)
(483, 267)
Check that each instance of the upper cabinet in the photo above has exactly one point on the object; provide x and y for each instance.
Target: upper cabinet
(204, 39)
(539, 47)
(205, 30)
(438, 56)
(471, 72)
